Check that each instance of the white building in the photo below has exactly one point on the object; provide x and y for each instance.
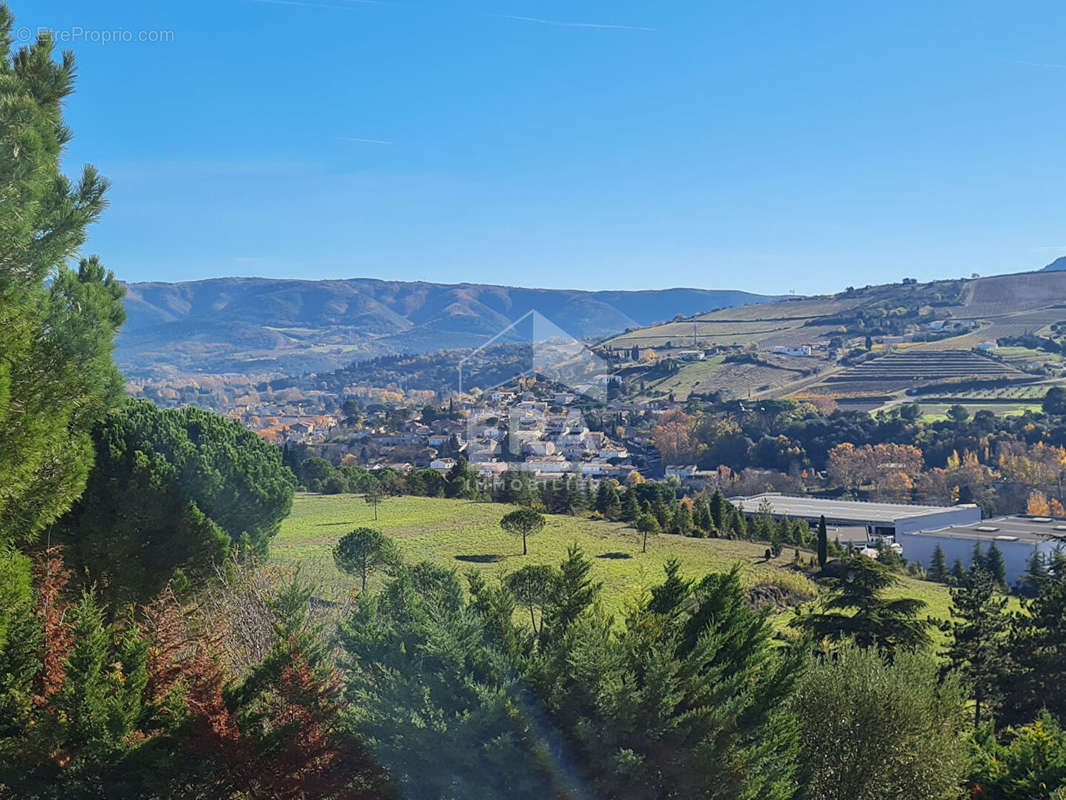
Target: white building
(797, 350)
(1017, 538)
(881, 520)
(540, 448)
(549, 464)
(681, 471)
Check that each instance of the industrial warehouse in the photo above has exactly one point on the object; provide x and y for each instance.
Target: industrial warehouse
(879, 519)
(1017, 537)
(918, 529)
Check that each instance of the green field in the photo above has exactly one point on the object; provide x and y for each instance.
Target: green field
(938, 412)
(465, 535)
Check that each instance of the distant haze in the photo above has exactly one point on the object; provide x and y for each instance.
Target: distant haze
(260, 325)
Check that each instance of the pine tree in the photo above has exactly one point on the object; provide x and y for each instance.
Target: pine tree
(647, 525)
(630, 508)
(607, 501)
(171, 489)
(996, 566)
(858, 609)
(668, 598)
(461, 481)
(531, 586)
(57, 324)
(938, 565)
(1035, 574)
(958, 571)
(524, 522)
(979, 638)
(363, 551)
(823, 542)
(977, 559)
(100, 702)
(1038, 649)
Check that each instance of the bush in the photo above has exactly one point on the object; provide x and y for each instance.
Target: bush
(871, 729)
(1030, 764)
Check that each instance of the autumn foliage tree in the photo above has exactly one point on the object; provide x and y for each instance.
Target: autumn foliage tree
(891, 467)
(676, 438)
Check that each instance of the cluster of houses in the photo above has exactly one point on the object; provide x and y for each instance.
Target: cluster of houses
(520, 431)
(284, 428)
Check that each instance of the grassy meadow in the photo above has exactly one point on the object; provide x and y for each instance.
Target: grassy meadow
(466, 536)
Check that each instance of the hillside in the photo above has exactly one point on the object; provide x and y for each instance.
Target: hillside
(466, 536)
(854, 335)
(1057, 264)
(255, 325)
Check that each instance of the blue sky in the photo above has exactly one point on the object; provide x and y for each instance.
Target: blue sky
(768, 146)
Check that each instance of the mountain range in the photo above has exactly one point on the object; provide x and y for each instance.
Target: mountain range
(1056, 265)
(267, 326)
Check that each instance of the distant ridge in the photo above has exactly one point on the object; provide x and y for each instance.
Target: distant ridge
(266, 326)
(1057, 265)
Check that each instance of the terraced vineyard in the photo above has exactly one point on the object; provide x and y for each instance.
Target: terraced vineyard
(1004, 394)
(899, 371)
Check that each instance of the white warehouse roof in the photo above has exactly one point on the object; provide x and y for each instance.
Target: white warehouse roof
(844, 510)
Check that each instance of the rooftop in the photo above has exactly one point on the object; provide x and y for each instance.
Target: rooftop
(792, 506)
(1005, 529)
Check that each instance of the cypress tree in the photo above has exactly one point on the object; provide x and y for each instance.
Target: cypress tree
(823, 542)
(574, 591)
(740, 525)
(683, 519)
(718, 509)
(701, 515)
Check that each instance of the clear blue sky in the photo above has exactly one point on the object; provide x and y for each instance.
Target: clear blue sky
(756, 145)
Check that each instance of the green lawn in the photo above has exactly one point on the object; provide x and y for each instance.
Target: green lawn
(465, 535)
(938, 412)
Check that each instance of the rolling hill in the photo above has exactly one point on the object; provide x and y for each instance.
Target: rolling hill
(944, 320)
(256, 325)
